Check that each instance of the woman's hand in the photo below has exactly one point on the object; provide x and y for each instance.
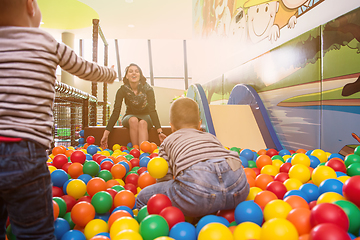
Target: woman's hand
(104, 140)
(162, 137)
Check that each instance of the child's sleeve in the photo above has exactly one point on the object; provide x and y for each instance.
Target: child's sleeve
(82, 68)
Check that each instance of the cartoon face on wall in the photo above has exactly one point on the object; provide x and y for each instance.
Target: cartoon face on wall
(260, 20)
(238, 25)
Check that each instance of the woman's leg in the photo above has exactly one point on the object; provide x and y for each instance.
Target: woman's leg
(143, 131)
(134, 130)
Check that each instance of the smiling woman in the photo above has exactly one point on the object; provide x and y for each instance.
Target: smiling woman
(66, 14)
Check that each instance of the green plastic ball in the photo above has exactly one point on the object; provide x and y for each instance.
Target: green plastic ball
(353, 213)
(251, 164)
(153, 226)
(105, 174)
(102, 202)
(143, 213)
(62, 205)
(353, 169)
(91, 167)
(352, 158)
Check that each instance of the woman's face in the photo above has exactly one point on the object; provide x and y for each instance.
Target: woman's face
(133, 74)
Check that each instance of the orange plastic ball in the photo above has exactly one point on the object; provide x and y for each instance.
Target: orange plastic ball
(264, 197)
(262, 180)
(82, 213)
(263, 160)
(56, 209)
(124, 198)
(95, 185)
(251, 181)
(250, 172)
(112, 182)
(75, 170)
(300, 218)
(116, 215)
(145, 147)
(296, 202)
(118, 171)
(145, 179)
(69, 152)
(119, 159)
(153, 146)
(58, 150)
(262, 152)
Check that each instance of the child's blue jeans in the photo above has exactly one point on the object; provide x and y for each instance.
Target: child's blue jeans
(25, 191)
(202, 189)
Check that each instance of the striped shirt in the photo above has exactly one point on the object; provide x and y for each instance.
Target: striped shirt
(188, 146)
(28, 61)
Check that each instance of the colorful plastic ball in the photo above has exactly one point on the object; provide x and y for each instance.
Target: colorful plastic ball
(329, 197)
(337, 164)
(76, 188)
(300, 218)
(311, 191)
(82, 213)
(285, 167)
(90, 140)
(353, 213)
(276, 209)
(95, 185)
(262, 161)
(144, 161)
(264, 197)
(351, 158)
(142, 214)
(279, 229)
(292, 184)
(105, 174)
(125, 208)
(247, 230)
(99, 237)
(353, 169)
(59, 160)
(73, 235)
(157, 167)
(153, 226)
(132, 178)
(85, 178)
(278, 188)
(70, 201)
(116, 215)
(228, 214)
(322, 173)
(247, 153)
(123, 223)
(329, 213)
(351, 190)
(183, 231)
(106, 165)
(145, 179)
(102, 202)
(300, 172)
(284, 152)
(301, 158)
(94, 227)
(215, 231)
(331, 185)
(92, 149)
(62, 206)
(320, 154)
(262, 180)
(172, 215)
(270, 170)
(61, 227)
(281, 176)
(328, 231)
(124, 198)
(78, 156)
(127, 234)
(75, 170)
(59, 177)
(210, 219)
(314, 161)
(251, 164)
(157, 203)
(135, 153)
(91, 168)
(248, 211)
(296, 202)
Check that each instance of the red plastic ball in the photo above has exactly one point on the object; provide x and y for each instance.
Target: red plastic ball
(59, 160)
(90, 140)
(172, 215)
(337, 164)
(278, 188)
(285, 167)
(70, 202)
(122, 148)
(141, 170)
(78, 156)
(106, 165)
(351, 190)
(153, 155)
(132, 178)
(281, 177)
(131, 187)
(57, 192)
(157, 203)
(135, 162)
(135, 152)
(66, 166)
(227, 214)
(272, 152)
(328, 231)
(329, 213)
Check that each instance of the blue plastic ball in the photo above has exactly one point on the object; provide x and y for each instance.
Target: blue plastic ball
(129, 145)
(210, 219)
(144, 154)
(81, 140)
(125, 208)
(144, 161)
(104, 216)
(247, 153)
(284, 152)
(81, 133)
(331, 185)
(126, 165)
(107, 159)
(85, 177)
(73, 235)
(244, 162)
(314, 161)
(65, 185)
(183, 231)
(92, 149)
(339, 174)
(61, 227)
(59, 177)
(336, 155)
(311, 191)
(88, 157)
(297, 193)
(248, 211)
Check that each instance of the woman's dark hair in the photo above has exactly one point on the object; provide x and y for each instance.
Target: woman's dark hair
(142, 78)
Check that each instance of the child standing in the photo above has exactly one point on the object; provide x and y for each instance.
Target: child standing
(203, 176)
(28, 61)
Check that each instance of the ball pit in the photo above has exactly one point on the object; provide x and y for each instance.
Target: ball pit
(285, 201)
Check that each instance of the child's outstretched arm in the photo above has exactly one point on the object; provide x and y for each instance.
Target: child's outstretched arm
(82, 68)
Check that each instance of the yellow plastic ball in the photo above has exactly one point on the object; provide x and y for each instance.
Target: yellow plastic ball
(51, 168)
(292, 184)
(215, 231)
(301, 158)
(123, 223)
(276, 209)
(105, 153)
(120, 181)
(253, 192)
(300, 172)
(343, 178)
(277, 163)
(94, 227)
(116, 147)
(279, 229)
(286, 157)
(270, 170)
(329, 197)
(164, 238)
(157, 167)
(127, 234)
(76, 188)
(322, 173)
(320, 154)
(247, 230)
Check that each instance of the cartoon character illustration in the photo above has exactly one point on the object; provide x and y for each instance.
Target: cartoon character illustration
(261, 18)
(238, 30)
(289, 12)
(223, 17)
(351, 88)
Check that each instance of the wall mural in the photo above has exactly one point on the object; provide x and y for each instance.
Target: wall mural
(310, 85)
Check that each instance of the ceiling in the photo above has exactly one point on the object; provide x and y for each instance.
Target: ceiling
(119, 19)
